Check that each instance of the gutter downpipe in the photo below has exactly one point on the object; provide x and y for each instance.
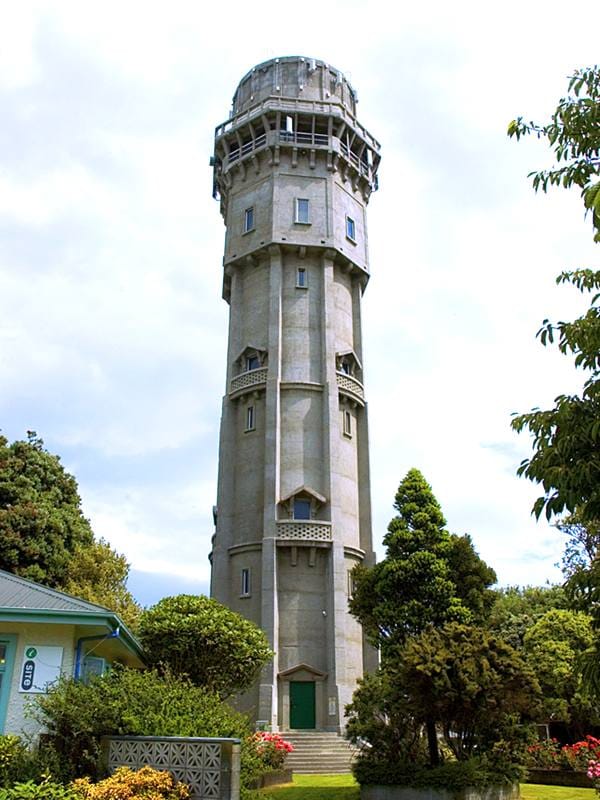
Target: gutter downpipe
(79, 650)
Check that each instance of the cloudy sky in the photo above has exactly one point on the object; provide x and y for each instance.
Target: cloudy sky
(112, 330)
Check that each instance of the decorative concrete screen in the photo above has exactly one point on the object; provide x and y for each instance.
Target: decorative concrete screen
(210, 767)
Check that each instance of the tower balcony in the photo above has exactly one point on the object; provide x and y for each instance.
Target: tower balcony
(351, 387)
(310, 531)
(247, 381)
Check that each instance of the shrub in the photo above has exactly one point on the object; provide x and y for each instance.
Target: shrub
(128, 702)
(46, 790)
(272, 749)
(14, 758)
(548, 754)
(453, 776)
(128, 784)
(198, 637)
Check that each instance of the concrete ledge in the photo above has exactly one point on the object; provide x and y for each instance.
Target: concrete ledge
(560, 777)
(509, 792)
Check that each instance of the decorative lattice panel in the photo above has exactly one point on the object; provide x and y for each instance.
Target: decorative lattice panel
(247, 380)
(209, 767)
(349, 384)
(307, 531)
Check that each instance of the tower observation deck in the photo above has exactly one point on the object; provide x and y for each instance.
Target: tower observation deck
(293, 172)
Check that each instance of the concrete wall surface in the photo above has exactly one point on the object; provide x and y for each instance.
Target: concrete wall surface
(508, 792)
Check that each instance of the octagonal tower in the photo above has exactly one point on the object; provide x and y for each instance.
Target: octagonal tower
(293, 171)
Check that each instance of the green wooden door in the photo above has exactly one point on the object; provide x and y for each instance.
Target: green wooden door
(302, 704)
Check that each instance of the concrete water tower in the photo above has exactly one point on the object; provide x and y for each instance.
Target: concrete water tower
(294, 170)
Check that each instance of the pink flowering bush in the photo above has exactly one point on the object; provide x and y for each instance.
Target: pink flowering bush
(578, 755)
(548, 754)
(593, 772)
(272, 749)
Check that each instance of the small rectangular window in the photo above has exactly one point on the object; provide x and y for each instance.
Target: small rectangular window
(351, 583)
(347, 423)
(245, 587)
(301, 281)
(252, 362)
(302, 215)
(301, 509)
(350, 229)
(250, 421)
(249, 220)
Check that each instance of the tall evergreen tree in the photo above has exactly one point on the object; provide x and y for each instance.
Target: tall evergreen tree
(428, 576)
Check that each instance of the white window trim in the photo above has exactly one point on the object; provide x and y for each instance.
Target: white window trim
(252, 227)
(300, 285)
(250, 418)
(353, 221)
(297, 219)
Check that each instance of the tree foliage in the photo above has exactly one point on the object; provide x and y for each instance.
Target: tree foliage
(98, 574)
(44, 535)
(553, 646)
(566, 438)
(469, 687)
(516, 609)
(427, 577)
(41, 521)
(198, 637)
(573, 132)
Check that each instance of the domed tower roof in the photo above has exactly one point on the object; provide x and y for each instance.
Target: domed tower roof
(294, 77)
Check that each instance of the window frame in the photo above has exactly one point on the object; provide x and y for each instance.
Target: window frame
(249, 219)
(301, 283)
(297, 215)
(350, 228)
(245, 582)
(252, 359)
(250, 419)
(347, 423)
(304, 502)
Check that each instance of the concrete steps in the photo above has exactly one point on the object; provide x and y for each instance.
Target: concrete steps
(319, 752)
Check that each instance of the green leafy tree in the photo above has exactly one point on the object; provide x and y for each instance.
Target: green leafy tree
(516, 609)
(198, 637)
(41, 521)
(553, 646)
(465, 685)
(574, 134)
(98, 574)
(471, 684)
(566, 459)
(582, 545)
(44, 535)
(427, 577)
(417, 584)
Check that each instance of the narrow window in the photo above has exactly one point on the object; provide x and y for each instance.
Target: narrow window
(301, 509)
(301, 282)
(245, 587)
(351, 583)
(350, 229)
(302, 214)
(345, 365)
(252, 362)
(249, 220)
(347, 423)
(250, 421)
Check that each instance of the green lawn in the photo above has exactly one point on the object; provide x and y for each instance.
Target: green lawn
(343, 787)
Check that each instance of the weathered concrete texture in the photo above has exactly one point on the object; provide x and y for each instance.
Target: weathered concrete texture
(509, 792)
(294, 170)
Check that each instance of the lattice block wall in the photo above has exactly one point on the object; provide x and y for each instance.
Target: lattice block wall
(210, 767)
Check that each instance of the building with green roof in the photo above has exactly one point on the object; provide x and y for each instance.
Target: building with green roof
(44, 634)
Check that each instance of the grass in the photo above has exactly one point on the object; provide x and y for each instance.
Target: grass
(343, 787)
